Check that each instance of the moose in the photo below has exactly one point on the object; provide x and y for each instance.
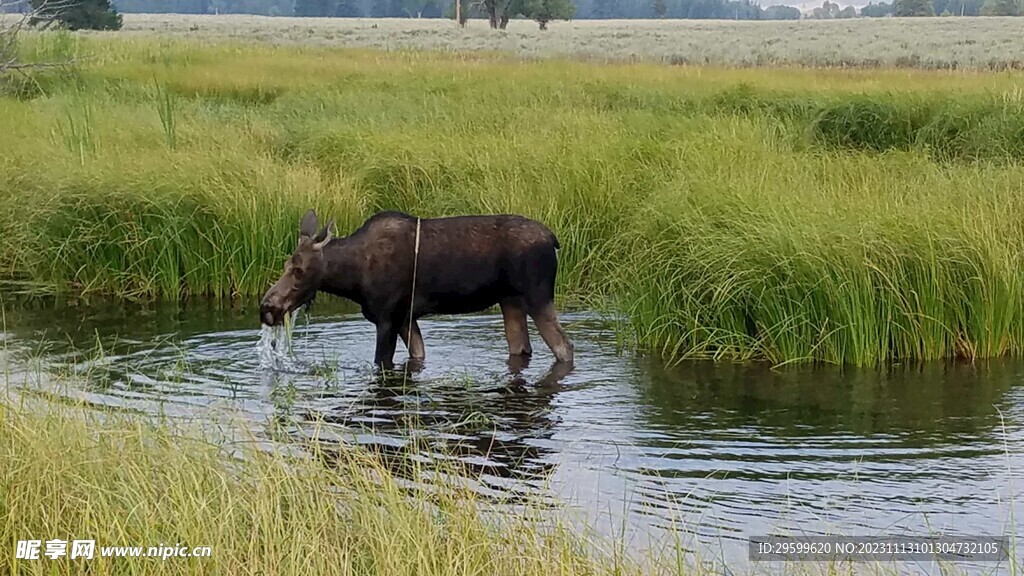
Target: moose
(399, 268)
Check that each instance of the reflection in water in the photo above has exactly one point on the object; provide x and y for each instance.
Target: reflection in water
(486, 426)
(724, 451)
(847, 450)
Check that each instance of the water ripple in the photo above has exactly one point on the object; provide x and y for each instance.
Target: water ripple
(726, 451)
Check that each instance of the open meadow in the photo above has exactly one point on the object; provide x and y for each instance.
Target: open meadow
(975, 43)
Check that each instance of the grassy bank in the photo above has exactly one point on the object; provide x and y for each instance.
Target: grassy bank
(125, 480)
(839, 216)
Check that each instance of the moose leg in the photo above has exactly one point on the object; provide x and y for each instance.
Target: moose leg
(546, 319)
(387, 339)
(513, 313)
(415, 345)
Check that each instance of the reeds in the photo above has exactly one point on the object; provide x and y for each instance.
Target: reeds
(786, 215)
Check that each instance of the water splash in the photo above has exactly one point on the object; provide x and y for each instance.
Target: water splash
(272, 347)
(275, 344)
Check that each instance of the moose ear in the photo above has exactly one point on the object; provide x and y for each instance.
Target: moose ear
(308, 225)
(324, 236)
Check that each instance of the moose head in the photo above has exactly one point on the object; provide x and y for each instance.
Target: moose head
(303, 272)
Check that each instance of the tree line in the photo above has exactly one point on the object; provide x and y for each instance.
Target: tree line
(497, 12)
(921, 8)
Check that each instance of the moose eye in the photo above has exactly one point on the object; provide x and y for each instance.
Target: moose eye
(297, 272)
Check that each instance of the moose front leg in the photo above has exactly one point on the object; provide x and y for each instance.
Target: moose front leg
(514, 315)
(413, 342)
(387, 339)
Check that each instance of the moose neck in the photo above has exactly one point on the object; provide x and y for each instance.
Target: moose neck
(341, 276)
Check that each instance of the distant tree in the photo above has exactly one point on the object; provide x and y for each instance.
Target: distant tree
(507, 9)
(876, 10)
(78, 14)
(1000, 8)
(498, 12)
(544, 11)
(905, 8)
(467, 10)
(827, 11)
(745, 10)
(959, 7)
(781, 13)
(491, 8)
(964, 7)
(848, 12)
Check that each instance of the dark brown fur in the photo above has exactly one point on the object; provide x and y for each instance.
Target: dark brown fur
(465, 264)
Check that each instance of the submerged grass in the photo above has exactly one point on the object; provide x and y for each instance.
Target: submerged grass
(790, 215)
(128, 480)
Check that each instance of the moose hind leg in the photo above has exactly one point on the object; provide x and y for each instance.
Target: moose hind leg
(513, 312)
(417, 351)
(546, 320)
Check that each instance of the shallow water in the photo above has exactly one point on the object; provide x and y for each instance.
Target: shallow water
(722, 451)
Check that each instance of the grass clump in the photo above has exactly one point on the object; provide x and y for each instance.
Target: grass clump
(949, 130)
(127, 480)
(866, 123)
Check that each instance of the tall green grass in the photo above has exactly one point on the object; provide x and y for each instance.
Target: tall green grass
(831, 258)
(789, 215)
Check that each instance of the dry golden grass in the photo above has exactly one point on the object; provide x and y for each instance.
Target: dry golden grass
(121, 479)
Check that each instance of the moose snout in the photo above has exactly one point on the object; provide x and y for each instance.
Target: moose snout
(270, 314)
(267, 317)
